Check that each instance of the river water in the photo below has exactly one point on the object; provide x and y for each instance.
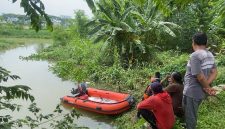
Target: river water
(46, 87)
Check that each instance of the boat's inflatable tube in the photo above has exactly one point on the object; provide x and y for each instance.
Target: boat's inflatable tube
(101, 101)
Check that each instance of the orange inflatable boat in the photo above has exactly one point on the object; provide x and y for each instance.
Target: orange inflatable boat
(101, 101)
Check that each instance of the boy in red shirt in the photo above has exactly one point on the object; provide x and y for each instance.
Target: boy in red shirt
(157, 109)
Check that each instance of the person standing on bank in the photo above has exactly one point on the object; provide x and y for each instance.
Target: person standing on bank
(200, 73)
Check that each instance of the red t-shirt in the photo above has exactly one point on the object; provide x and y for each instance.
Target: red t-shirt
(161, 105)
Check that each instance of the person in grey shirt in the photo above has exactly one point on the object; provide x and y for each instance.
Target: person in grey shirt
(200, 73)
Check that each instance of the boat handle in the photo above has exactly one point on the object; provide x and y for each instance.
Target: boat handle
(99, 108)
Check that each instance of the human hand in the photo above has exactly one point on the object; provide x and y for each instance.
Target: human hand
(153, 79)
(223, 87)
(210, 91)
(168, 76)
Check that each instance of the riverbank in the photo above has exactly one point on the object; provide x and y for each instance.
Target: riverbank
(7, 30)
(75, 61)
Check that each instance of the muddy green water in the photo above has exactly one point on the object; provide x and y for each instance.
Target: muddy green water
(47, 88)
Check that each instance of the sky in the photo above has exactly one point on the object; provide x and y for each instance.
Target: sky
(52, 7)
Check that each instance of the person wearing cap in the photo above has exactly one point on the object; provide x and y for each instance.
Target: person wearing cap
(82, 90)
(148, 91)
(200, 73)
(157, 109)
(175, 90)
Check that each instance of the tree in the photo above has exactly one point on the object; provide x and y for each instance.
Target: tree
(80, 20)
(129, 28)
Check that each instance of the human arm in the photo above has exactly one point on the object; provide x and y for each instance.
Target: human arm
(212, 75)
(146, 104)
(165, 79)
(223, 87)
(196, 70)
(203, 81)
(170, 88)
(201, 78)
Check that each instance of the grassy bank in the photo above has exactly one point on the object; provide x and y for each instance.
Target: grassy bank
(12, 42)
(25, 33)
(9, 30)
(82, 60)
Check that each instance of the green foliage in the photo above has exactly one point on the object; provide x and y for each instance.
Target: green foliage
(172, 61)
(10, 93)
(220, 59)
(13, 31)
(132, 30)
(24, 33)
(61, 36)
(129, 29)
(36, 11)
(211, 113)
(220, 11)
(79, 24)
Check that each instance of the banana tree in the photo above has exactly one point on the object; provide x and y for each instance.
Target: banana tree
(127, 27)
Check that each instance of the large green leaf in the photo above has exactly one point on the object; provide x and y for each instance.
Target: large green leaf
(106, 12)
(91, 23)
(167, 30)
(99, 38)
(35, 10)
(96, 29)
(91, 5)
(117, 9)
(125, 26)
(116, 5)
(126, 13)
(139, 17)
(170, 24)
(139, 2)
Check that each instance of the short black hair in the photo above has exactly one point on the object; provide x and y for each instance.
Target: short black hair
(157, 74)
(200, 38)
(156, 87)
(177, 77)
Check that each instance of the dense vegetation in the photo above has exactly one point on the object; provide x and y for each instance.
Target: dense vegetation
(135, 38)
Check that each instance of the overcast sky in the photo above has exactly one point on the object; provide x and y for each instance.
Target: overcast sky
(52, 7)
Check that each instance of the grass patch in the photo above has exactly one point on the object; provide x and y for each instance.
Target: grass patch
(25, 33)
(211, 113)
